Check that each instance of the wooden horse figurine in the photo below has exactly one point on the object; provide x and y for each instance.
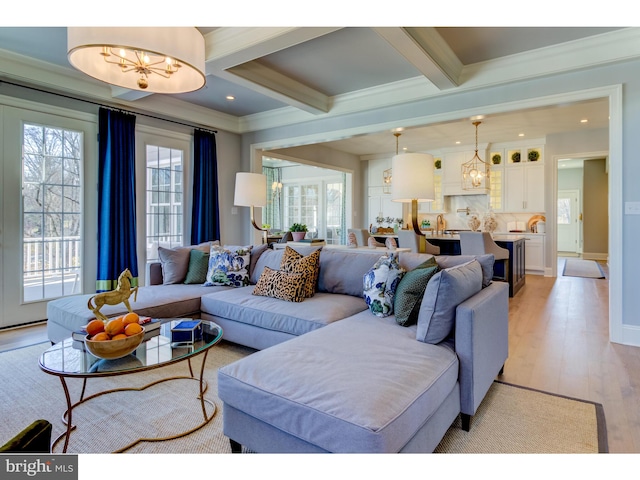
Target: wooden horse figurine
(121, 294)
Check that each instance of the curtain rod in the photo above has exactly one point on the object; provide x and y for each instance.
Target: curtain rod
(107, 106)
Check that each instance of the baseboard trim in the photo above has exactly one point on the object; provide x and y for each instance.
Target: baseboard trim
(596, 256)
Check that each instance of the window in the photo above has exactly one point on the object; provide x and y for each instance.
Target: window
(164, 205)
(51, 211)
(564, 211)
(302, 205)
(335, 212)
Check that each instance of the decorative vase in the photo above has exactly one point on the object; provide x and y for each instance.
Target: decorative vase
(297, 236)
(474, 223)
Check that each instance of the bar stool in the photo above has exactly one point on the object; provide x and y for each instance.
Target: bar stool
(480, 243)
(417, 243)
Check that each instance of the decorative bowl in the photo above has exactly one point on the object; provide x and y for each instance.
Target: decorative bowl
(112, 349)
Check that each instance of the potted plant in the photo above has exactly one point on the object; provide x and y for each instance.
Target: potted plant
(496, 159)
(438, 164)
(515, 157)
(298, 231)
(533, 155)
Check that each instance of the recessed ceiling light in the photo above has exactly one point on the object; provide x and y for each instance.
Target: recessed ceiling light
(458, 142)
(521, 134)
(584, 120)
(231, 98)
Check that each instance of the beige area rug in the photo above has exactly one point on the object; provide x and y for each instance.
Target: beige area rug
(511, 419)
(576, 267)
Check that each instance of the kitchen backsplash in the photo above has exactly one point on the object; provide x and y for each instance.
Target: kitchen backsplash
(456, 217)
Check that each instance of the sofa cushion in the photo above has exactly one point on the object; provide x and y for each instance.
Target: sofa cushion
(380, 283)
(445, 291)
(295, 262)
(68, 314)
(229, 265)
(410, 291)
(198, 266)
(175, 262)
(359, 385)
(342, 271)
(289, 286)
(239, 304)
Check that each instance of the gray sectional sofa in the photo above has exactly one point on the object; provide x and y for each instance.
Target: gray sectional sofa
(329, 375)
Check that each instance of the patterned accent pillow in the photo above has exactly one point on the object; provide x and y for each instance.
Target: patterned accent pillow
(294, 262)
(198, 266)
(281, 285)
(408, 298)
(228, 267)
(380, 283)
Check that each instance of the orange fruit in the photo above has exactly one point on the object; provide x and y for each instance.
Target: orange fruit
(95, 326)
(101, 337)
(131, 317)
(132, 329)
(119, 336)
(114, 326)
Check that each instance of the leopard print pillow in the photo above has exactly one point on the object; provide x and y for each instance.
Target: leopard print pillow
(282, 285)
(294, 262)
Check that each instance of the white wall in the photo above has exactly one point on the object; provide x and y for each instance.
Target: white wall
(551, 89)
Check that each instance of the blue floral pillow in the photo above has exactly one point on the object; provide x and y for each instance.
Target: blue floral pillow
(228, 266)
(380, 285)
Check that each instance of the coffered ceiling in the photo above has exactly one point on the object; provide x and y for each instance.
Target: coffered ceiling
(285, 75)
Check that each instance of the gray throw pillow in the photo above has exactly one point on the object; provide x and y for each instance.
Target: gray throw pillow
(486, 262)
(445, 291)
(175, 263)
(408, 297)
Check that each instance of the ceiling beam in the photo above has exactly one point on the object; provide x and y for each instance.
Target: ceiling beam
(231, 53)
(426, 50)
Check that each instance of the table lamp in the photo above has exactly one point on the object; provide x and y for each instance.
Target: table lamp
(251, 191)
(413, 182)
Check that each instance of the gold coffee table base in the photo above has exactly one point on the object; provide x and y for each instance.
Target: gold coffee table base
(67, 416)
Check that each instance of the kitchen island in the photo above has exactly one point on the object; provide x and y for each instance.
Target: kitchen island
(450, 245)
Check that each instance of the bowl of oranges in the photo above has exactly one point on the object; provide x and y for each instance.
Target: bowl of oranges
(115, 338)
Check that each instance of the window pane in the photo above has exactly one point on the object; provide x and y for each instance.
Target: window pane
(164, 198)
(564, 211)
(51, 211)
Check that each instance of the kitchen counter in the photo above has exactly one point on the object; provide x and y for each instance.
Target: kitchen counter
(514, 242)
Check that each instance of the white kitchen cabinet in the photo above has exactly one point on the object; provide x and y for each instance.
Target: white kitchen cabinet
(524, 188)
(534, 253)
(382, 205)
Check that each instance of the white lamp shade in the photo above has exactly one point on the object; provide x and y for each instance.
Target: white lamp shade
(251, 190)
(412, 178)
(184, 44)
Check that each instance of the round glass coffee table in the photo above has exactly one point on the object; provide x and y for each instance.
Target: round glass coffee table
(69, 359)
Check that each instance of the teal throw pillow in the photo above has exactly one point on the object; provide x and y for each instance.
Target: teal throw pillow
(380, 283)
(408, 297)
(198, 266)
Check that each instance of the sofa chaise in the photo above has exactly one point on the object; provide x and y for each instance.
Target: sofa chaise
(329, 375)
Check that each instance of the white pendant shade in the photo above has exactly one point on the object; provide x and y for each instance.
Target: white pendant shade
(116, 55)
(251, 190)
(412, 178)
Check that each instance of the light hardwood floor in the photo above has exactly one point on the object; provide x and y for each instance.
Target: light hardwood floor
(558, 342)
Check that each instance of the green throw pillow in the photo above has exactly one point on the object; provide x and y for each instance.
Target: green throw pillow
(198, 265)
(410, 291)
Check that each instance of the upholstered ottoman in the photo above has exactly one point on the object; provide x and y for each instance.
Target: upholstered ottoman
(363, 384)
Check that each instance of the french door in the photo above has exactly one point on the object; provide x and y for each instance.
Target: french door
(47, 162)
